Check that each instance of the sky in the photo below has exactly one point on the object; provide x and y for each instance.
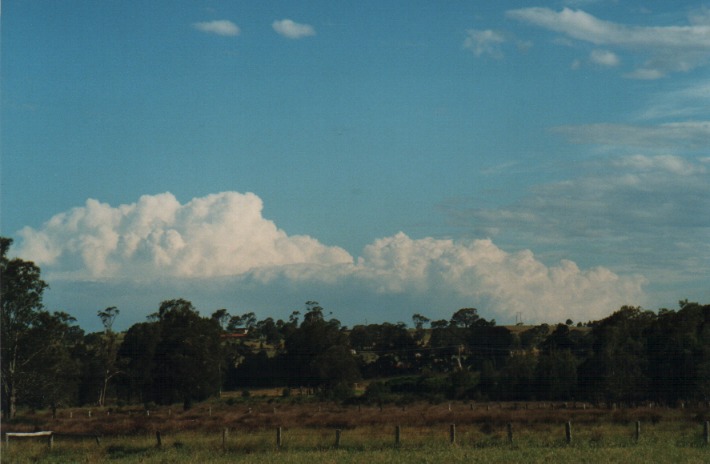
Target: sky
(536, 160)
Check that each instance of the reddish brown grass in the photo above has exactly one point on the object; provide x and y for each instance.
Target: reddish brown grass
(259, 415)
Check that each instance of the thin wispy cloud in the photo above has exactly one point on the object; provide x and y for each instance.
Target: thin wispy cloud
(668, 48)
(688, 135)
(581, 3)
(690, 100)
(293, 30)
(700, 16)
(218, 27)
(485, 42)
(643, 212)
(604, 58)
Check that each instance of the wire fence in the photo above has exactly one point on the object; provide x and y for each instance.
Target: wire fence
(398, 436)
(262, 426)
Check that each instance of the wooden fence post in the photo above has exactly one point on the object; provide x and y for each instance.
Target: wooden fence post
(397, 435)
(638, 430)
(158, 440)
(568, 432)
(706, 432)
(452, 434)
(510, 433)
(50, 440)
(225, 432)
(278, 437)
(337, 438)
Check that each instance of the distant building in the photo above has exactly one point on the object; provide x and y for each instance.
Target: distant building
(238, 333)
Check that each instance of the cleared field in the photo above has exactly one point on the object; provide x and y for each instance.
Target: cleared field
(367, 434)
(300, 447)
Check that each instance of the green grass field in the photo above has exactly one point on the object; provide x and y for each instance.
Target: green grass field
(597, 443)
(191, 448)
(367, 435)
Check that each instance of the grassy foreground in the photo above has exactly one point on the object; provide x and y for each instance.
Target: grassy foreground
(140, 451)
(373, 445)
(367, 434)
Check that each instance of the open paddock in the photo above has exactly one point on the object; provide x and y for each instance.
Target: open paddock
(327, 432)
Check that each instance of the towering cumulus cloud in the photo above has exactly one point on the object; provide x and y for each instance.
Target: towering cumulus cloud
(479, 271)
(225, 235)
(217, 235)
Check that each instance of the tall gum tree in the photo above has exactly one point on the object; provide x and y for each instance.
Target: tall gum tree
(109, 350)
(21, 308)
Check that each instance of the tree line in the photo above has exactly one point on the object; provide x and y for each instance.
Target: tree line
(180, 356)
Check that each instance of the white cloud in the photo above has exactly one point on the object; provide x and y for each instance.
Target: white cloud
(293, 30)
(665, 163)
(221, 241)
(700, 16)
(604, 58)
(688, 135)
(641, 214)
(688, 101)
(479, 271)
(220, 234)
(580, 3)
(218, 27)
(645, 74)
(486, 42)
(671, 48)
(580, 25)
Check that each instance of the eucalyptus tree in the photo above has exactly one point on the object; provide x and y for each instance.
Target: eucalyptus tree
(35, 344)
(187, 356)
(109, 350)
(318, 352)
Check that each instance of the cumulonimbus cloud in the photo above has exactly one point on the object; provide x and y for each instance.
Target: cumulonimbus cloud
(225, 236)
(293, 30)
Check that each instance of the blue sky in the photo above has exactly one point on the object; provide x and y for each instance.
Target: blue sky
(547, 159)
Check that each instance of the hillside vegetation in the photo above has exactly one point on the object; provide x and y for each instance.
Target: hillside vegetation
(179, 357)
